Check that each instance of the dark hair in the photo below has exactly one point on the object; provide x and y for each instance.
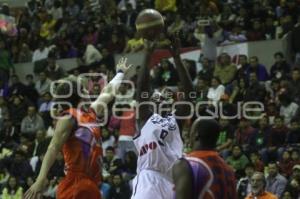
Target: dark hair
(254, 57)
(278, 54)
(217, 78)
(208, 131)
(110, 148)
(29, 76)
(250, 165)
(63, 88)
(273, 162)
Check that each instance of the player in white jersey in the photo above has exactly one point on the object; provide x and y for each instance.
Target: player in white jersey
(159, 142)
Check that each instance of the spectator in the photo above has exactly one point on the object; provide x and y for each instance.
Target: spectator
(12, 190)
(201, 89)
(91, 55)
(135, 44)
(225, 70)
(9, 134)
(18, 165)
(43, 84)
(245, 135)
(3, 111)
(207, 70)
(259, 69)
(25, 54)
(40, 53)
(50, 130)
(270, 28)
(280, 68)
(256, 161)
(120, 190)
(130, 164)
(242, 67)
(285, 164)
(165, 5)
(239, 91)
(295, 83)
(54, 71)
(56, 10)
(127, 132)
(258, 183)
(91, 37)
(45, 109)
(216, 91)
(17, 109)
(108, 140)
(293, 137)
(166, 74)
(210, 36)
(225, 140)
(256, 33)
(238, 160)
(255, 91)
(263, 133)
(16, 87)
(244, 184)
(30, 90)
(32, 122)
(288, 108)
(47, 29)
(275, 141)
(128, 16)
(6, 65)
(275, 182)
(40, 143)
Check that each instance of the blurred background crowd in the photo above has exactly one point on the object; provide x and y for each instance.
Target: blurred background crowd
(95, 30)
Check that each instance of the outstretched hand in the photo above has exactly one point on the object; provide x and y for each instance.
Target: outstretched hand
(122, 65)
(36, 190)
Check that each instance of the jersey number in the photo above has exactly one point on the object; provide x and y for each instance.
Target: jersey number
(162, 137)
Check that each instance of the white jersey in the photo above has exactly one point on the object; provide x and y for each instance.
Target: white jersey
(159, 145)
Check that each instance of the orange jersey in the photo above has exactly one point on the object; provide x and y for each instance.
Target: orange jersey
(82, 151)
(212, 177)
(82, 154)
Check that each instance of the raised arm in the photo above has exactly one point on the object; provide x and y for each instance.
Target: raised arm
(61, 134)
(109, 91)
(143, 87)
(183, 74)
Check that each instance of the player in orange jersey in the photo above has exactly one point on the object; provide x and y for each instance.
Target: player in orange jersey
(78, 136)
(203, 174)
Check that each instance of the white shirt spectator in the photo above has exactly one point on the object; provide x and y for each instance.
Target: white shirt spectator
(43, 87)
(288, 112)
(215, 94)
(39, 54)
(91, 55)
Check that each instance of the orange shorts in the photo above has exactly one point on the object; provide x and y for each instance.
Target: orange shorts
(77, 186)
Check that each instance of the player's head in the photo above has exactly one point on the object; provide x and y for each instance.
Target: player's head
(204, 134)
(163, 101)
(67, 91)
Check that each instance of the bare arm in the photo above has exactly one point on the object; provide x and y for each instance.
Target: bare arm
(183, 180)
(143, 87)
(184, 76)
(61, 134)
(109, 91)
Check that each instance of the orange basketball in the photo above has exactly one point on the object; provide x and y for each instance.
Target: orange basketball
(149, 24)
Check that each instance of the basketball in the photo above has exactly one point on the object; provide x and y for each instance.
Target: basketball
(149, 24)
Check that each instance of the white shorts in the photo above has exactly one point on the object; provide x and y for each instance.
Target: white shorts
(150, 184)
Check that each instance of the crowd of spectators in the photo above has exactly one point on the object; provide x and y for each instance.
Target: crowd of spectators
(94, 31)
